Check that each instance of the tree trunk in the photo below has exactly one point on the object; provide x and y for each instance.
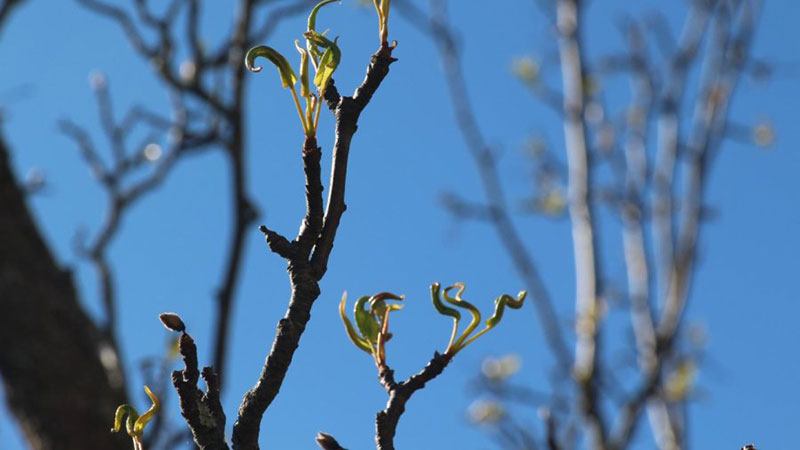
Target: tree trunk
(54, 380)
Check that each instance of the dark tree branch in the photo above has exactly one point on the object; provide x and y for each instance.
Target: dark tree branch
(202, 410)
(305, 271)
(399, 394)
(347, 112)
(312, 224)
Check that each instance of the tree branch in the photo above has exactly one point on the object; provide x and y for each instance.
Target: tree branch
(587, 273)
(202, 411)
(347, 113)
(304, 271)
(399, 394)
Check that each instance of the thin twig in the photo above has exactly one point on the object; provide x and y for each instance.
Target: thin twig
(399, 394)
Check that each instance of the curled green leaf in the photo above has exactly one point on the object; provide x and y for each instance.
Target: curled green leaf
(378, 306)
(288, 78)
(441, 307)
(329, 60)
(461, 303)
(351, 332)
(447, 311)
(367, 323)
(119, 415)
(304, 91)
(312, 18)
(499, 305)
(148, 415)
(313, 49)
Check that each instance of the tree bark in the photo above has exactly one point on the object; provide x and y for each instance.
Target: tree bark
(55, 383)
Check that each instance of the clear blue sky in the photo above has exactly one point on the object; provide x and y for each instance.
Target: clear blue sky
(395, 236)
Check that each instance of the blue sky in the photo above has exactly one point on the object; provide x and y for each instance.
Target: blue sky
(395, 235)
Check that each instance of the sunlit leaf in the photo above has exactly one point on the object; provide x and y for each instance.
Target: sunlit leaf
(351, 332)
(312, 26)
(378, 306)
(119, 415)
(329, 60)
(304, 91)
(365, 321)
(288, 78)
(499, 306)
(312, 18)
(461, 303)
(441, 307)
(148, 415)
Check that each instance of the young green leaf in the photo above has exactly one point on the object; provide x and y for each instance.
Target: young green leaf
(304, 91)
(312, 18)
(461, 303)
(447, 311)
(148, 415)
(329, 60)
(378, 306)
(313, 50)
(365, 321)
(351, 332)
(499, 305)
(288, 78)
(441, 307)
(123, 410)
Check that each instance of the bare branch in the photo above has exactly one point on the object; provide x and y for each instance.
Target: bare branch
(306, 270)
(587, 273)
(347, 113)
(202, 410)
(399, 394)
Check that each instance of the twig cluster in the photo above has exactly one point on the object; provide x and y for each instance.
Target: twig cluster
(643, 196)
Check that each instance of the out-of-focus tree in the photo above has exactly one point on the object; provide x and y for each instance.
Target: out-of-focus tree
(647, 161)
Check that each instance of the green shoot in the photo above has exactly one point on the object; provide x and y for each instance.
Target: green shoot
(446, 311)
(324, 62)
(135, 424)
(456, 345)
(382, 6)
(372, 323)
(329, 60)
(288, 78)
(312, 26)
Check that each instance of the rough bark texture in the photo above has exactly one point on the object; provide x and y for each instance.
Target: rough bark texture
(55, 383)
(202, 411)
(399, 394)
